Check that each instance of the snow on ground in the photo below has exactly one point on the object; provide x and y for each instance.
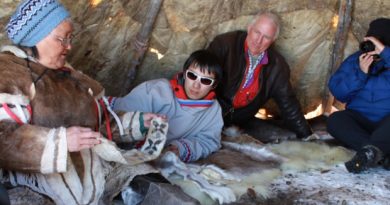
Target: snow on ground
(335, 186)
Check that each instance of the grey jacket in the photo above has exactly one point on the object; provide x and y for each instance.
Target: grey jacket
(196, 131)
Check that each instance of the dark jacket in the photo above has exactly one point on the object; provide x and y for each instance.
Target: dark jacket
(274, 83)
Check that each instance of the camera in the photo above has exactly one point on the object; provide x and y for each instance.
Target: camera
(366, 46)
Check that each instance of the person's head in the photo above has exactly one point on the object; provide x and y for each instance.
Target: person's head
(45, 27)
(380, 29)
(262, 32)
(201, 73)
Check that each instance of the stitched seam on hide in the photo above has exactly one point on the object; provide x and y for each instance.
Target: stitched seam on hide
(92, 177)
(69, 190)
(55, 152)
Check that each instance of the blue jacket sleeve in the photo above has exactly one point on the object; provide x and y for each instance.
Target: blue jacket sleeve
(348, 79)
(385, 55)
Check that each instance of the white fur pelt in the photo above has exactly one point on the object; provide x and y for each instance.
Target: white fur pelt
(305, 156)
(293, 155)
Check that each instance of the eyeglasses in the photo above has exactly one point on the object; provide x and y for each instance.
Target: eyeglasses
(204, 80)
(65, 42)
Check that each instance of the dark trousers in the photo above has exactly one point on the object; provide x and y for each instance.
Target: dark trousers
(267, 130)
(356, 131)
(4, 199)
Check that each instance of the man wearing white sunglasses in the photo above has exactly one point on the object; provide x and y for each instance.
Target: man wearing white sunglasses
(188, 101)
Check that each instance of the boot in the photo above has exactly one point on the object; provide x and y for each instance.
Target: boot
(386, 162)
(365, 158)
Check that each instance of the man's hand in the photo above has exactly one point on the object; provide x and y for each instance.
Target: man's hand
(148, 116)
(173, 149)
(311, 137)
(79, 138)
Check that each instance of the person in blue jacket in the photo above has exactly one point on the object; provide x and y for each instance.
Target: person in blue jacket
(363, 83)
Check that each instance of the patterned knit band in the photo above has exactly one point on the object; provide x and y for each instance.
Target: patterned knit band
(33, 20)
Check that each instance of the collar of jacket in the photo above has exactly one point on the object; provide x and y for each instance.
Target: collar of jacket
(178, 89)
(17, 52)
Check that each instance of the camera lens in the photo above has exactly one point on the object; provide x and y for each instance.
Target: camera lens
(367, 46)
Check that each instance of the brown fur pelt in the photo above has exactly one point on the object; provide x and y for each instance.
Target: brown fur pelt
(234, 134)
(254, 175)
(237, 163)
(246, 159)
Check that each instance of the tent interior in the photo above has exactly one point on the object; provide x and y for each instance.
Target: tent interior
(114, 37)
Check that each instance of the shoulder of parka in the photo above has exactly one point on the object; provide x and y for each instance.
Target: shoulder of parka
(15, 75)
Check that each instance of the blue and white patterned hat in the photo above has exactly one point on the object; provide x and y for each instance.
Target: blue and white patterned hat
(33, 20)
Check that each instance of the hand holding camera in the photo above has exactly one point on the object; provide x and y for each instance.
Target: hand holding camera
(371, 48)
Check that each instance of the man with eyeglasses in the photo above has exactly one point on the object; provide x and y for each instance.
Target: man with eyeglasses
(188, 101)
(253, 73)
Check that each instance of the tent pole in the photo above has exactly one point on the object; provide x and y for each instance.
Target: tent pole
(140, 44)
(339, 41)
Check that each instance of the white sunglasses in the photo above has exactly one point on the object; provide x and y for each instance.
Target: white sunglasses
(203, 80)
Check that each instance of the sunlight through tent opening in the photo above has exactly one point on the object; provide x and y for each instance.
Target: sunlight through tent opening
(159, 55)
(335, 21)
(95, 3)
(314, 113)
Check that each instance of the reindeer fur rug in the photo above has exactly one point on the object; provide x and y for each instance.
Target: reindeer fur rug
(247, 166)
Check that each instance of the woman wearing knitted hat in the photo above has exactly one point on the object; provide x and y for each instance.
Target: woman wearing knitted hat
(51, 114)
(363, 83)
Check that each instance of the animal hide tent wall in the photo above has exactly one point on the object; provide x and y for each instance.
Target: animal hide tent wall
(105, 31)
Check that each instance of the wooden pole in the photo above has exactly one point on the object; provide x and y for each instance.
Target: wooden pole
(140, 44)
(344, 21)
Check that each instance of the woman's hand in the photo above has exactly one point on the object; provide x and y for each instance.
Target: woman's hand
(79, 138)
(148, 116)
